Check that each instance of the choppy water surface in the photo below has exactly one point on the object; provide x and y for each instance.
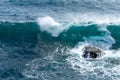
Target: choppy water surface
(43, 40)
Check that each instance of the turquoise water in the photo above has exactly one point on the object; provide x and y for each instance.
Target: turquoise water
(30, 54)
(43, 40)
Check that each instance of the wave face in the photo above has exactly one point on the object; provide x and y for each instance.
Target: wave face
(43, 39)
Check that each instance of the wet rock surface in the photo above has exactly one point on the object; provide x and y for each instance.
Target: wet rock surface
(92, 52)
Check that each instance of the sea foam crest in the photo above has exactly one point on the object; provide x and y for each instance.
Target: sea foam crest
(95, 18)
(53, 27)
(49, 25)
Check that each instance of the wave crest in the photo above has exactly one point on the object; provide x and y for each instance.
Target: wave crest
(49, 25)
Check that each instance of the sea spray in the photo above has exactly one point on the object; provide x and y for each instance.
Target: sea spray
(49, 25)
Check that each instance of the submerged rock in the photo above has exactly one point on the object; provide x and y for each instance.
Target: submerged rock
(92, 52)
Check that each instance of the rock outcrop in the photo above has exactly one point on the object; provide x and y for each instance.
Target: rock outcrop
(92, 52)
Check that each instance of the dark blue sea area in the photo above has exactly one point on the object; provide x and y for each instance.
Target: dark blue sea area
(44, 39)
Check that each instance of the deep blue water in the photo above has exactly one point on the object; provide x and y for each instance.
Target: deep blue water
(43, 40)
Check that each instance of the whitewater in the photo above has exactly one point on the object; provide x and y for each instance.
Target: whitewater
(44, 39)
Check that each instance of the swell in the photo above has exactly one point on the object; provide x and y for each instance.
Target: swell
(30, 31)
(18, 31)
(115, 33)
(62, 2)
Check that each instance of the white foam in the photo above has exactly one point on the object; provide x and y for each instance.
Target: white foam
(50, 25)
(94, 18)
(54, 27)
(108, 65)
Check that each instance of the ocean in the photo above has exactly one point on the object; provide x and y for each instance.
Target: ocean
(44, 39)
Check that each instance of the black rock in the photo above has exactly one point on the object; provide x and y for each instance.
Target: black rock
(92, 52)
